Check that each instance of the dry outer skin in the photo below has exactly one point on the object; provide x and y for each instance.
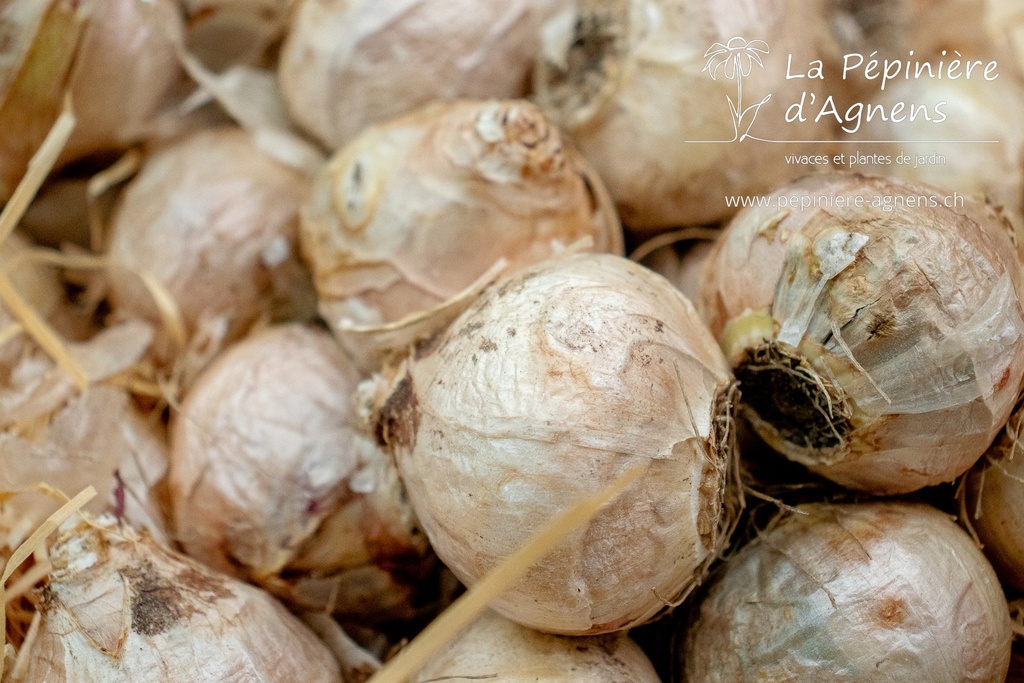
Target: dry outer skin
(272, 481)
(626, 80)
(215, 221)
(121, 609)
(872, 593)
(494, 648)
(555, 382)
(904, 322)
(995, 503)
(415, 210)
(350, 64)
(98, 439)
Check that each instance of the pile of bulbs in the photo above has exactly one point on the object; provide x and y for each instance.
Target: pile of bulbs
(315, 316)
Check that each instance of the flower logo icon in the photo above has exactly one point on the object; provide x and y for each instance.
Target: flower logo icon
(736, 59)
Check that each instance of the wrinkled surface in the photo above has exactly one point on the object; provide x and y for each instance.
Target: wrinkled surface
(626, 80)
(552, 384)
(913, 311)
(494, 648)
(414, 211)
(350, 64)
(872, 593)
(215, 222)
(995, 503)
(271, 480)
(122, 609)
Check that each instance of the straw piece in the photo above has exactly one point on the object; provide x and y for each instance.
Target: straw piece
(39, 167)
(468, 607)
(115, 174)
(21, 661)
(33, 541)
(668, 238)
(41, 332)
(167, 306)
(24, 584)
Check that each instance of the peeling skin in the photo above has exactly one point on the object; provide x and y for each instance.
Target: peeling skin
(872, 593)
(609, 367)
(920, 336)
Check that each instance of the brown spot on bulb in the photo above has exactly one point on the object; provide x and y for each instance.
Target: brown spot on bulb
(399, 419)
(892, 613)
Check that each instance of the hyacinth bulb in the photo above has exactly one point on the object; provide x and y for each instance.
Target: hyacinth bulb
(647, 89)
(120, 608)
(554, 382)
(272, 481)
(494, 648)
(214, 221)
(878, 340)
(346, 66)
(872, 593)
(995, 503)
(413, 211)
(973, 110)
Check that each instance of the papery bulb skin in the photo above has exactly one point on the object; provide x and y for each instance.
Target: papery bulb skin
(639, 88)
(554, 382)
(413, 211)
(878, 340)
(273, 481)
(346, 66)
(120, 608)
(873, 593)
(214, 221)
(495, 648)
